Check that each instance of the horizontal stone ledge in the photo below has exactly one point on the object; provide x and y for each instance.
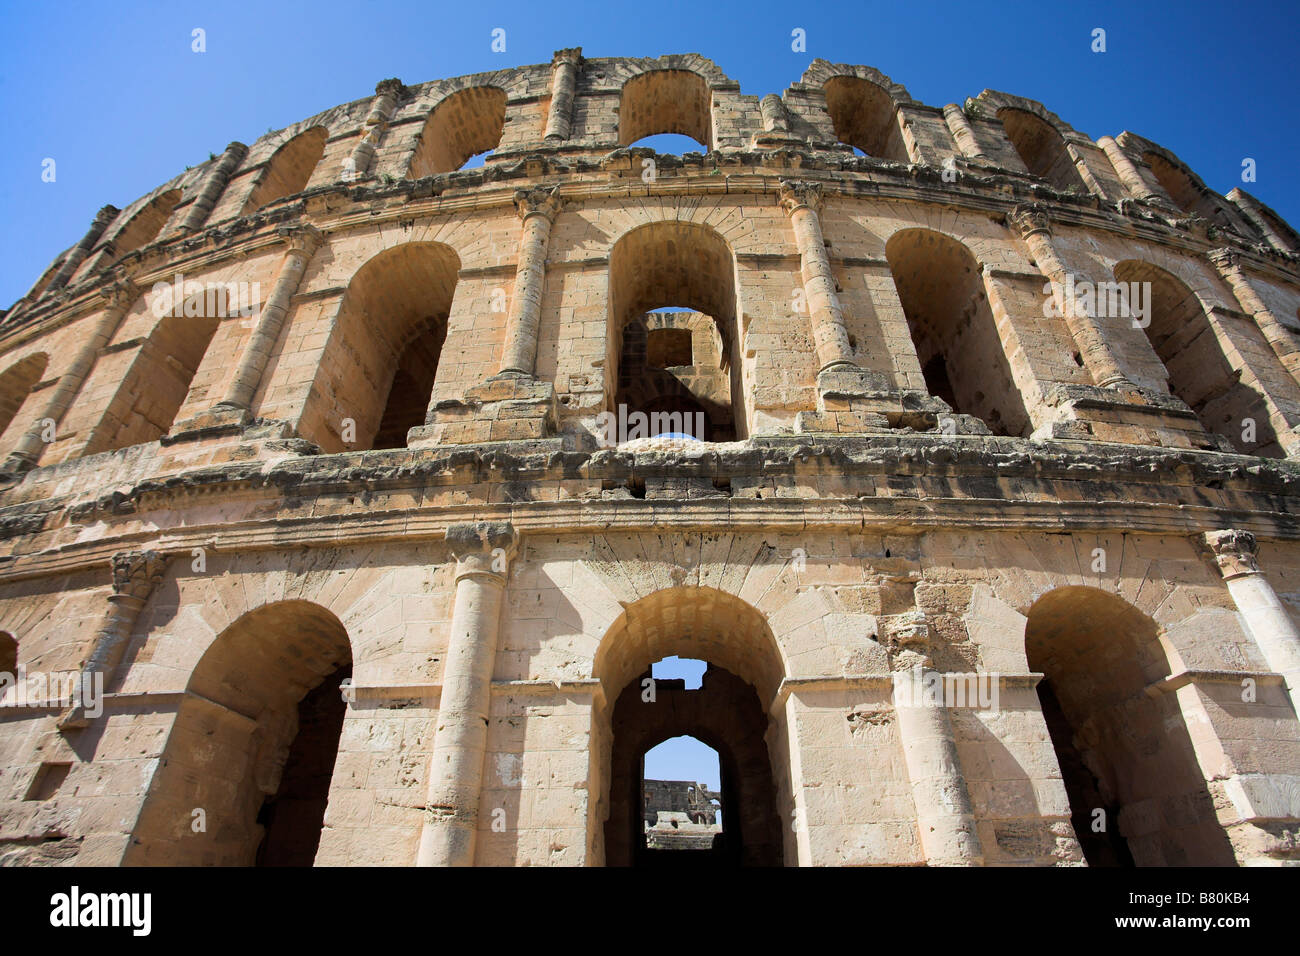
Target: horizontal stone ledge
(1183, 678)
(878, 680)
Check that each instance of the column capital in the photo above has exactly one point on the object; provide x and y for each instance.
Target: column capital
(797, 194)
(392, 87)
(571, 56)
(542, 201)
(1030, 219)
(137, 573)
(106, 215)
(1234, 552)
(482, 547)
(1224, 259)
(304, 238)
(119, 291)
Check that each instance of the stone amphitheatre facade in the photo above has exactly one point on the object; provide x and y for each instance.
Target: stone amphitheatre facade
(366, 583)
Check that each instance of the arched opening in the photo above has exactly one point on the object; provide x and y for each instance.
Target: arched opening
(1042, 148)
(253, 745)
(287, 171)
(864, 117)
(670, 281)
(144, 226)
(16, 383)
(727, 713)
(963, 359)
(8, 654)
(1199, 371)
(1187, 195)
(666, 101)
(683, 802)
(382, 357)
(1137, 794)
(464, 125)
(671, 144)
(156, 385)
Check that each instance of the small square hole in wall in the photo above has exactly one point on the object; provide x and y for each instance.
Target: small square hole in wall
(668, 348)
(47, 781)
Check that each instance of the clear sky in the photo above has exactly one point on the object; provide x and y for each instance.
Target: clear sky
(114, 94)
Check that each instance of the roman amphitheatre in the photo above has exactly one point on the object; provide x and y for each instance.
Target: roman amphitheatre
(364, 581)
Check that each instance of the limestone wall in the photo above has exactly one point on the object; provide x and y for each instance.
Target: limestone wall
(394, 469)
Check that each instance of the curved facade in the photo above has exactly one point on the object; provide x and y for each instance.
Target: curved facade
(324, 462)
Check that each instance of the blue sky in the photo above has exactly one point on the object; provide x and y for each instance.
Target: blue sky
(114, 94)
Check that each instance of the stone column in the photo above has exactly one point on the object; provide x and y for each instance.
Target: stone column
(1127, 172)
(1282, 340)
(961, 131)
(214, 184)
(801, 202)
(135, 575)
(387, 95)
(943, 809)
(82, 249)
(1266, 619)
(564, 81)
(303, 242)
(118, 297)
(483, 552)
(1034, 227)
(538, 208)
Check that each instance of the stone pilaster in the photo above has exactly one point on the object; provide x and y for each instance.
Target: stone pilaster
(962, 133)
(483, 551)
(214, 184)
(1126, 171)
(1281, 339)
(1234, 553)
(776, 125)
(945, 817)
(82, 249)
(118, 297)
(388, 93)
(538, 209)
(303, 242)
(801, 201)
(564, 82)
(135, 575)
(1031, 221)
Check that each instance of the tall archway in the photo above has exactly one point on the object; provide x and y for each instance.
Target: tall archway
(962, 356)
(666, 101)
(142, 228)
(253, 745)
(1200, 372)
(682, 266)
(289, 169)
(1137, 794)
(864, 116)
(155, 386)
(1187, 194)
(8, 653)
(465, 124)
(1042, 148)
(728, 713)
(382, 357)
(16, 383)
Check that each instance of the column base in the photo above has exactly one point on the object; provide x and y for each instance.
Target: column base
(1126, 415)
(507, 407)
(855, 400)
